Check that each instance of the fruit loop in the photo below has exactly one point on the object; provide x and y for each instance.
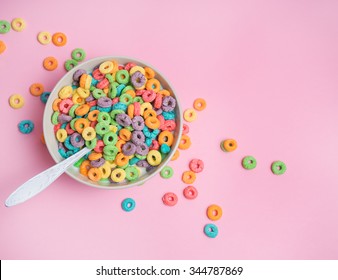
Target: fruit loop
(78, 54)
(16, 101)
(70, 64)
(36, 89)
(2, 46)
(214, 212)
(59, 39)
(200, 104)
(190, 192)
(190, 115)
(249, 162)
(170, 199)
(44, 97)
(278, 167)
(211, 230)
(128, 204)
(229, 145)
(185, 142)
(44, 38)
(26, 126)
(50, 63)
(18, 24)
(185, 129)
(5, 27)
(176, 155)
(188, 177)
(196, 165)
(167, 172)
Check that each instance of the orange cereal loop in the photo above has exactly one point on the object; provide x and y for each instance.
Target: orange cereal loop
(82, 110)
(121, 159)
(42, 138)
(166, 137)
(185, 142)
(106, 90)
(81, 124)
(92, 116)
(2, 46)
(56, 104)
(125, 134)
(94, 174)
(149, 113)
(176, 155)
(84, 167)
(131, 93)
(59, 39)
(164, 92)
(94, 156)
(130, 110)
(229, 145)
(214, 212)
(50, 63)
(188, 177)
(200, 104)
(36, 89)
(115, 67)
(153, 84)
(152, 122)
(149, 73)
(119, 144)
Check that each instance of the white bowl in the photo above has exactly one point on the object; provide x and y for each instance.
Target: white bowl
(51, 142)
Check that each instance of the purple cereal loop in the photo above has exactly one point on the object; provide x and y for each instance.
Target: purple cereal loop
(142, 149)
(90, 98)
(123, 119)
(150, 168)
(137, 137)
(159, 112)
(137, 123)
(138, 79)
(77, 74)
(98, 162)
(168, 104)
(76, 140)
(62, 118)
(142, 163)
(104, 102)
(128, 149)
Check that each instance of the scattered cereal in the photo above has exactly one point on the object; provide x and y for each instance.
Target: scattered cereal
(26, 126)
(59, 39)
(78, 54)
(170, 199)
(128, 204)
(44, 37)
(249, 162)
(2, 46)
(211, 230)
(50, 63)
(196, 165)
(228, 145)
(278, 167)
(36, 89)
(167, 172)
(185, 129)
(16, 101)
(176, 155)
(200, 104)
(18, 24)
(188, 177)
(214, 212)
(44, 97)
(190, 192)
(70, 64)
(185, 142)
(4, 26)
(190, 115)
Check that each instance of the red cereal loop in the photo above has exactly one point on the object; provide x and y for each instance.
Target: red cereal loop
(149, 96)
(129, 65)
(57, 127)
(140, 92)
(93, 124)
(92, 103)
(137, 109)
(170, 199)
(196, 165)
(97, 75)
(115, 100)
(65, 106)
(103, 84)
(154, 145)
(161, 119)
(99, 146)
(121, 67)
(169, 125)
(69, 129)
(158, 101)
(190, 192)
(185, 129)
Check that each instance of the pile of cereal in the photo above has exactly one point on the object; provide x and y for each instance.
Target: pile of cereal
(123, 113)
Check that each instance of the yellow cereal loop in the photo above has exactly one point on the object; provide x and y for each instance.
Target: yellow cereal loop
(61, 135)
(105, 170)
(118, 175)
(83, 93)
(106, 67)
(154, 157)
(16, 101)
(44, 37)
(88, 133)
(135, 69)
(113, 128)
(145, 106)
(18, 24)
(66, 92)
(190, 115)
(77, 99)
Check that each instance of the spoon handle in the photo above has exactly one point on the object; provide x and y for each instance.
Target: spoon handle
(41, 181)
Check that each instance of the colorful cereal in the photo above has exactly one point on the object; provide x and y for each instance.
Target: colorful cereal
(78, 54)
(50, 63)
(190, 115)
(167, 172)
(2, 47)
(36, 89)
(4, 26)
(188, 177)
(26, 126)
(190, 192)
(196, 165)
(44, 37)
(170, 199)
(18, 24)
(211, 230)
(249, 162)
(229, 145)
(128, 204)
(278, 167)
(214, 212)
(16, 101)
(200, 104)
(59, 39)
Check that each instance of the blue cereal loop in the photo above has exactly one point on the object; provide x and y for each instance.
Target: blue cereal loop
(133, 161)
(128, 204)
(68, 145)
(93, 108)
(44, 97)
(101, 109)
(120, 88)
(211, 230)
(94, 82)
(169, 115)
(120, 106)
(63, 153)
(26, 126)
(64, 125)
(148, 141)
(165, 149)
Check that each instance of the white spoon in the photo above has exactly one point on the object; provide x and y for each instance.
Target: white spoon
(41, 181)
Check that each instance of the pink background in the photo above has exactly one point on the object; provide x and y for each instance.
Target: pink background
(269, 72)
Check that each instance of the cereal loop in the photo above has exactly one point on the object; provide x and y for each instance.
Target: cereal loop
(44, 38)
(190, 192)
(190, 115)
(18, 24)
(188, 177)
(229, 145)
(153, 84)
(185, 142)
(128, 204)
(4, 26)
(165, 137)
(50, 63)
(214, 212)
(94, 174)
(2, 46)
(176, 155)
(200, 104)
(36, 89)
(16, 101)
(196, 165)
(170, 199)
(59, 39)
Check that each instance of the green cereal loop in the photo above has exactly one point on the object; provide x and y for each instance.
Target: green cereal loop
(278, 167)
(249, 162)
(70, 64)
(140, 157)
(167, 172)
(110, 78)
(102, 128)
(110, 150)
(124, 166)
(126, 98)
(127, 88)
(107, 157)
(78, 54)
(112, 91)
(55, 117)
(4, 26)
(131, 173)
(110, 138)
(116, 84)
(72, 123)
(91, 144)
(138, 99)
(72, 110)
(122, 76)
(92, 88)
(78, 163)
(103, 117)
(112, 122)
(114, 113)
(97, 93)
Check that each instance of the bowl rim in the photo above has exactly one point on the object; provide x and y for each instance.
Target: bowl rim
(100, 59)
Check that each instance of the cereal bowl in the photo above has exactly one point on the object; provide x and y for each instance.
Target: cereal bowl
(53, 144)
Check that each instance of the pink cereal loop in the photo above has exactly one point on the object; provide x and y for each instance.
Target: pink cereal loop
(92, 103)
(169, 125)
(154, 145)
(115, 100)
(99, 146)
(137, 109)
(196, 165)
(170, 199)
(185, 129)
(129, 65)
(97, 75)
(161, 119)
(190, 192)
(140, 92)
(158, 101)
(69, 129)
(93, 124)
(121, 67)
(65, 106)
(149, 96)
(103, 84)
